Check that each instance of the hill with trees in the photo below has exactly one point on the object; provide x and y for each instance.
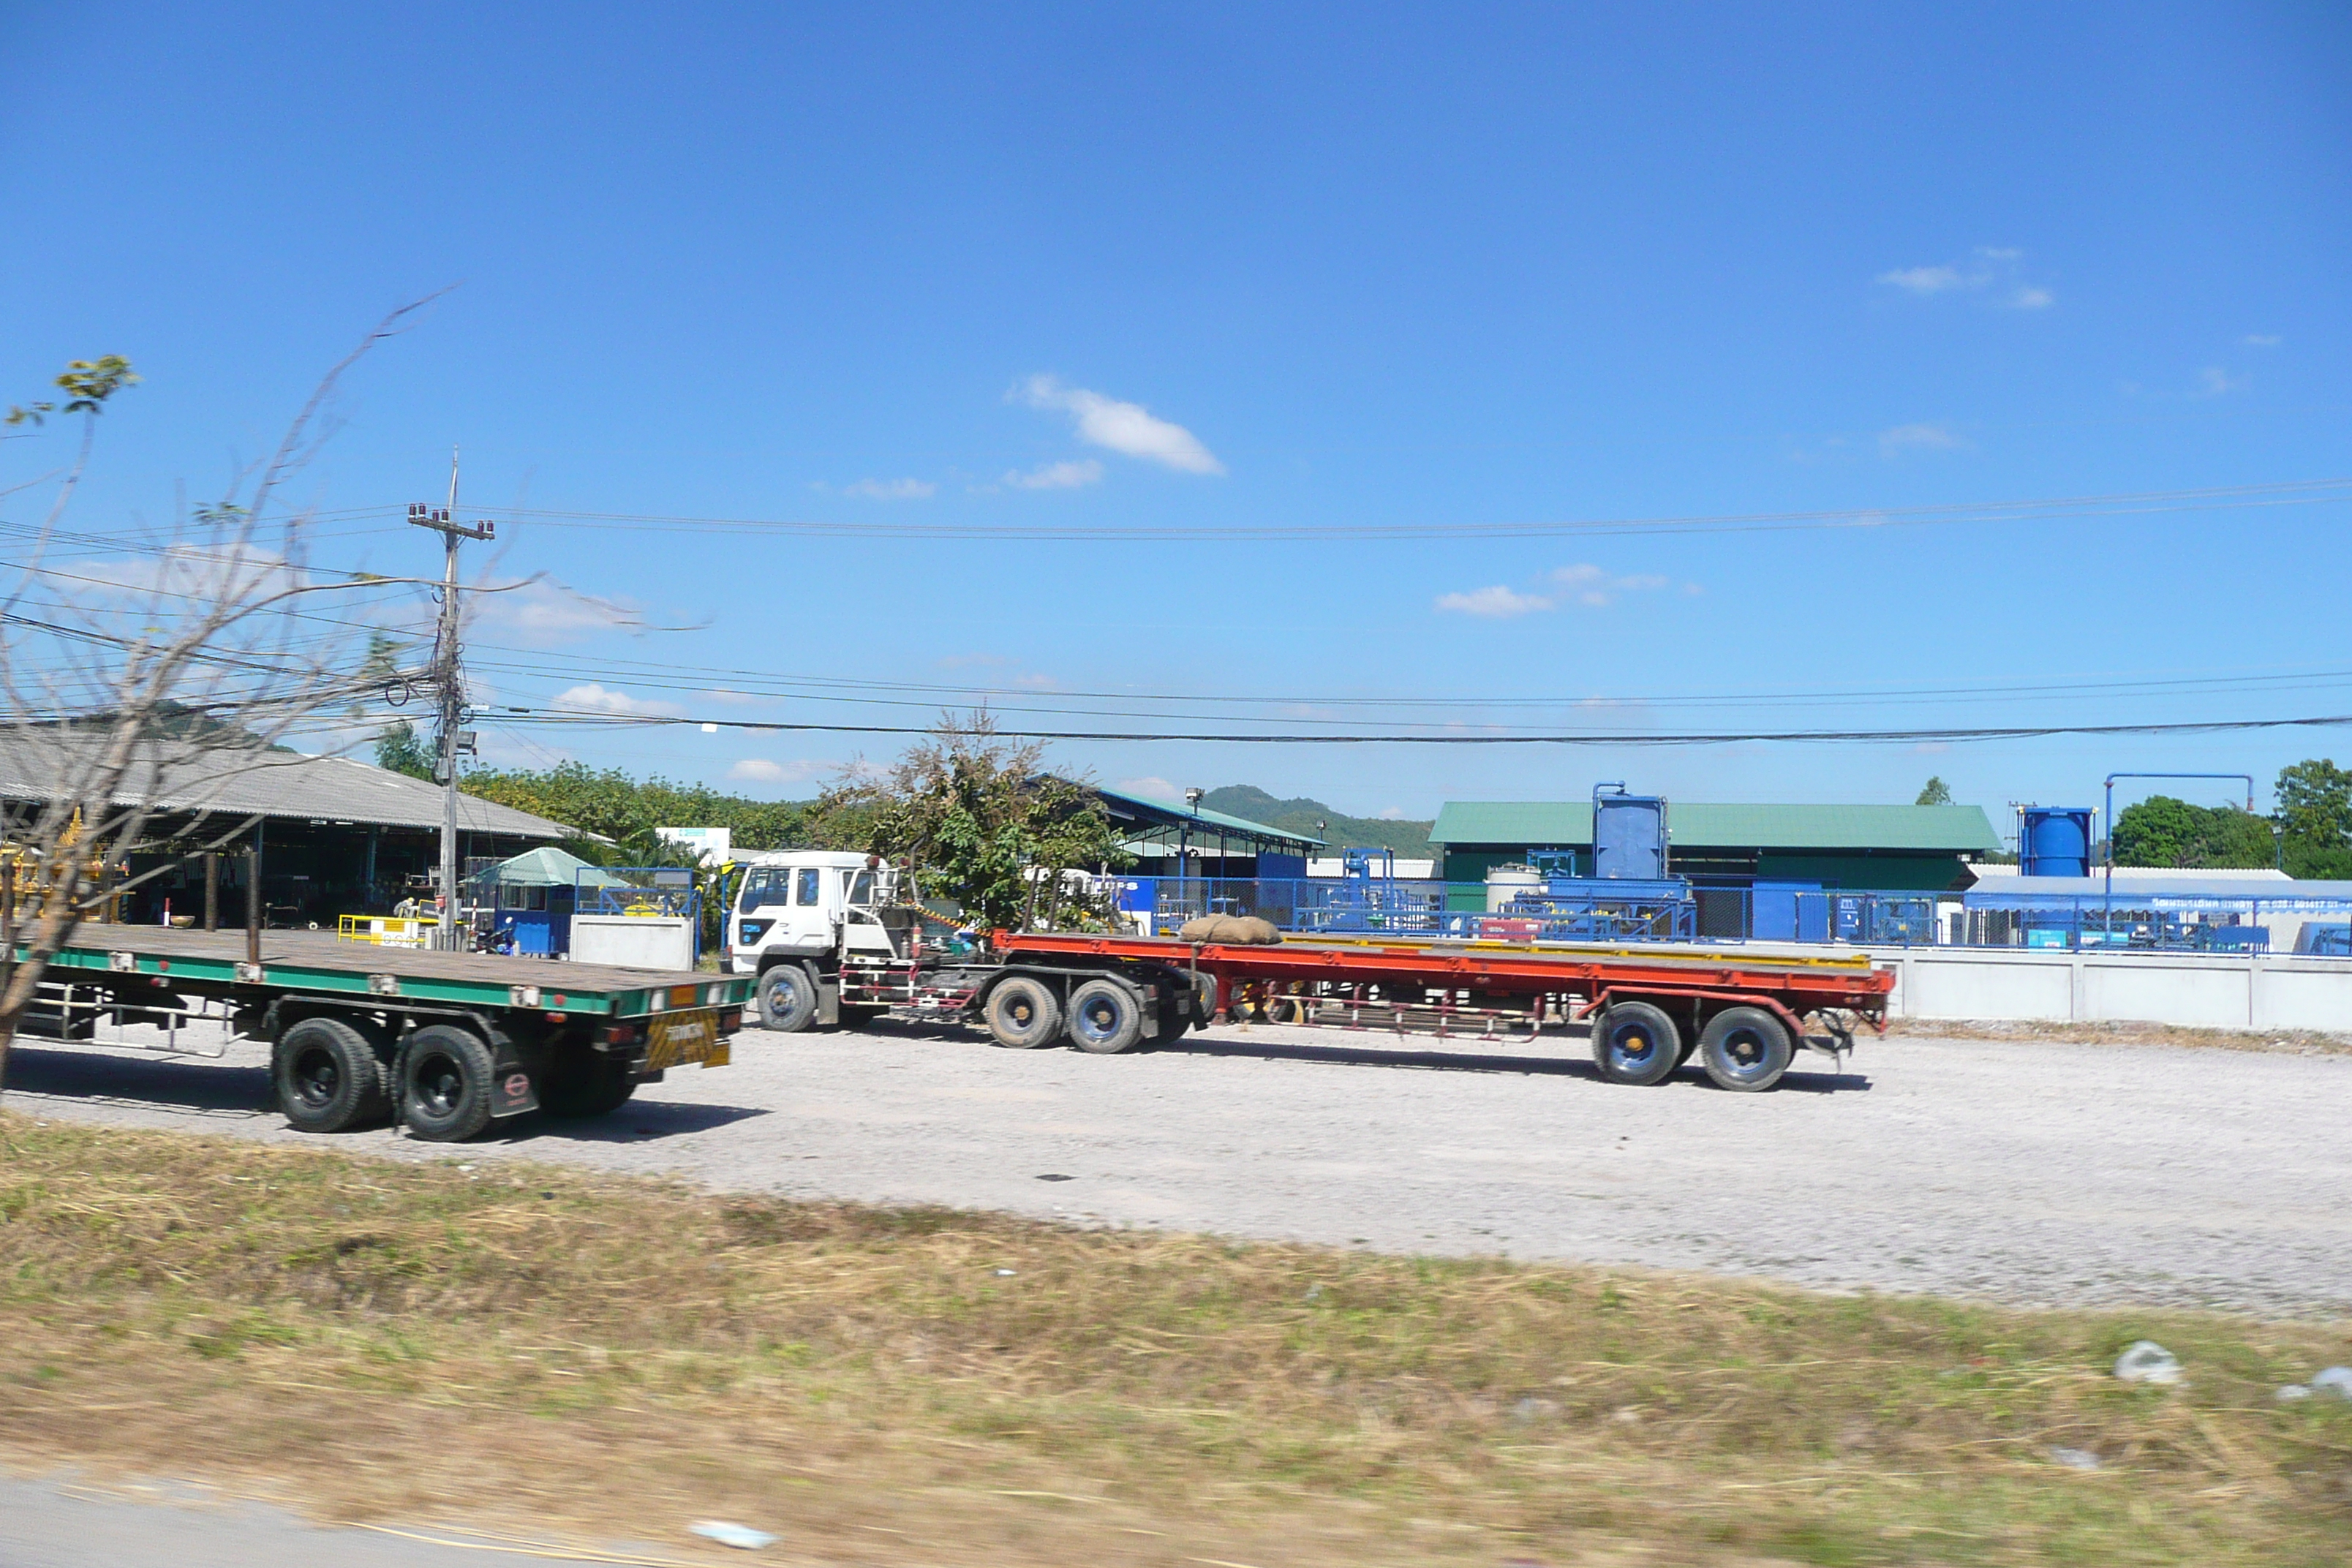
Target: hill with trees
(1301, 814)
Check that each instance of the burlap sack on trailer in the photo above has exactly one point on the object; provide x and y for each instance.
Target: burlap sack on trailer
(1239, 931)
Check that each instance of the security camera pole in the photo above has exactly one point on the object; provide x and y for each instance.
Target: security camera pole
(450, 693)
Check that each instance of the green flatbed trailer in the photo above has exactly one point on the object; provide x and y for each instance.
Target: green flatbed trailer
(446, 1042)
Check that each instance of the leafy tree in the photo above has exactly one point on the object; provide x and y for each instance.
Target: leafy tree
(2164, 831)
(1934, 792)
(2315, 808)
(401, 750)
(979, 818)
(86, 383)
(612, 805)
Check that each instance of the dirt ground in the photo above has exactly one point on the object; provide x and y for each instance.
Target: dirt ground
(2021, 1169)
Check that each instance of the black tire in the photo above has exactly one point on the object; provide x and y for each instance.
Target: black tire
(1285, 1010)
(579, 1082)
(1204, 999)
(445, 1084)
(328, 1076)
(787, 998)
(1024, 1013)
(1745, 1049)
(1105, 1018)
(1634, 1043)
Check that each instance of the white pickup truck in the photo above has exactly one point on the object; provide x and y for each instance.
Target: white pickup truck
(839, 938)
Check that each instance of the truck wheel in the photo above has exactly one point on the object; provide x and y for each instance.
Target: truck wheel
(328, 1076)
(1745, 1048)
(1204, 999)
(1024, 1013)
(1106, 1017)
(445, 1084)
(1634, 1043)
(787, 999)
(582, 1083)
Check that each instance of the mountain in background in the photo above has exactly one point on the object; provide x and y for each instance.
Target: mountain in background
(1340, 830)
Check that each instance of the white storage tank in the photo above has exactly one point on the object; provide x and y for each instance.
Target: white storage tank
(1504, 883)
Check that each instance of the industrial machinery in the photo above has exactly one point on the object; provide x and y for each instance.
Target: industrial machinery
(1630, 895)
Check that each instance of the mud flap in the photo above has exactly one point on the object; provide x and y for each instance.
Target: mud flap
(512, 1091)
(828, 1000)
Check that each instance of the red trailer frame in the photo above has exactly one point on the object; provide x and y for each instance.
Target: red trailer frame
(1642, 995)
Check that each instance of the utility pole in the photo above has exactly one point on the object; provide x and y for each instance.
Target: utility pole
(449, 690)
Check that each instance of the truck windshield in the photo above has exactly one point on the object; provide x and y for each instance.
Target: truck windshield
(766, 885)
(860, 885)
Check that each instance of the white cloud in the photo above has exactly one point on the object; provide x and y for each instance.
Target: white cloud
(735, 699)
(2215, 382)
(1493, 604)
(1924, 279)
(1992, 272)
(595, 699)
(761, 770)
(1589, 585)
(1922, 437)
(1389, 814)
(2261, 340)
(1155, 786)
(892, 490)
(1583, 585)
(1057, 475)
(549, 612)
(1127, 429)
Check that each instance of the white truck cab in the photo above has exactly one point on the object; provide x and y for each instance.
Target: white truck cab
(806, 904)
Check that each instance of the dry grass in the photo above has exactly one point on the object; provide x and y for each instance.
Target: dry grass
(376, 1341)
(2293, 1042)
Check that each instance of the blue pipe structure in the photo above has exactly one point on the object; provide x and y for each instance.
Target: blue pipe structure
(2108, 915)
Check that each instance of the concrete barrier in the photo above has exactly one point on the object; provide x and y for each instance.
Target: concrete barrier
(634, 942)
(2196, 990)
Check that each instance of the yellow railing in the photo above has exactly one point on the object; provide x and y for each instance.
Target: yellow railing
(386, 931)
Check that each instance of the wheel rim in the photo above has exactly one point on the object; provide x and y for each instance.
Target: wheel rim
(1632, 1045)
(1099, 1019)
(317, 1078)
(1021, 1011)
(440, 1085)
(1744, 1054)
(783, 997)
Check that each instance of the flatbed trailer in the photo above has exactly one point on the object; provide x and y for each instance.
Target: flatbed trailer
(1648, 1010)
(448, 1042)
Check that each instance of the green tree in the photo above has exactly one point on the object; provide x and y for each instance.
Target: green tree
(401, 750)
(983, 822)
(1934, 792)
(2167, 832)
(87, 383)
(2314, 812)
(611, 805)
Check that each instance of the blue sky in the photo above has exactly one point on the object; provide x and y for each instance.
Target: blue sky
(1181, 277)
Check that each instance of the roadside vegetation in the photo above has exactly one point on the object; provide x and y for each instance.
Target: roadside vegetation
(378, 1341)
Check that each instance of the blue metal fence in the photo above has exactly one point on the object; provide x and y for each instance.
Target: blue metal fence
(1672, 910)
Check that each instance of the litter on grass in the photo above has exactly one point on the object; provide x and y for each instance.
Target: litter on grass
(741, 1535)
(2334, 1380)
(2146, 1361)
(2076, 1458)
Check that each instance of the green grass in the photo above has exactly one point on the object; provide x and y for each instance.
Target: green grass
(374, 1338)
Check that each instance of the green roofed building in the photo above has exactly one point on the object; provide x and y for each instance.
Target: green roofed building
(1877, 848)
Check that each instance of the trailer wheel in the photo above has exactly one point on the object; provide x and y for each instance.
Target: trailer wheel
(1106, 1017)
(1634, 1043)
(1204, 999)
(445, 1084)
(1745, 1048)
(582, 1083)
(328, 1076)
(1024, 1013)
(787, 998)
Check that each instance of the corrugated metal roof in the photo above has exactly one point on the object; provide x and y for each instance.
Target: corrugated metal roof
(1951, 829)
(178, 777)
(1171, 813)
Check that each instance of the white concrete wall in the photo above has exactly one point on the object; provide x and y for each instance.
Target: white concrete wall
(634, 942)
(2198, 989)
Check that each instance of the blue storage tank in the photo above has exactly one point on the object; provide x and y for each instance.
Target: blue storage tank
(2054, 841)
(1629, 834)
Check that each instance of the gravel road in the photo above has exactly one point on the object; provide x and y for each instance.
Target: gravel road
(2018, 1171)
